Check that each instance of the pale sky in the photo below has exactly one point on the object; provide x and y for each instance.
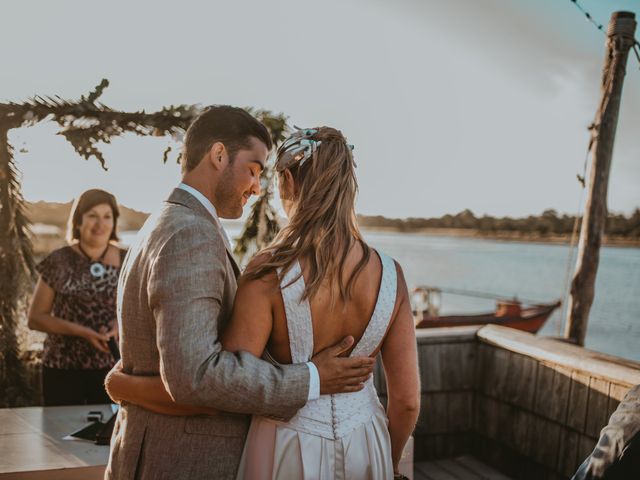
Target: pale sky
(451, 105)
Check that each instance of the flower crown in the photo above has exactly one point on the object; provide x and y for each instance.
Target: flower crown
(298, 148)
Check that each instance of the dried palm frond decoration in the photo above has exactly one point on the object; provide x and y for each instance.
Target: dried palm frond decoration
(85, 123)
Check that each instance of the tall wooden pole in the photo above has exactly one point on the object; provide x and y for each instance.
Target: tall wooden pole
(620, 38)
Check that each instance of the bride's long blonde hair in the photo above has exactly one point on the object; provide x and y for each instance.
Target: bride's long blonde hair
(322, 226)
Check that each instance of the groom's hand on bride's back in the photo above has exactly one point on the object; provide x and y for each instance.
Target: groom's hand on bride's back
(342, 374)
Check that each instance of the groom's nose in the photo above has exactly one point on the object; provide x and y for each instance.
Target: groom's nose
(255, 187)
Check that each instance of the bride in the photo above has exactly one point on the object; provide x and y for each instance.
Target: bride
(315, 284)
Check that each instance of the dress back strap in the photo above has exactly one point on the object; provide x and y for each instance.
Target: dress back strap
(299, 325)
(379, 323)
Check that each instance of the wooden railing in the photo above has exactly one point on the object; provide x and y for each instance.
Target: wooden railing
(532, 407)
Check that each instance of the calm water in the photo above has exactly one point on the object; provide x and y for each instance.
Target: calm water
(529, 271)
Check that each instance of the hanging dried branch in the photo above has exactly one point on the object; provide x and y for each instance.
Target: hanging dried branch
(17, 270)
(86, 123)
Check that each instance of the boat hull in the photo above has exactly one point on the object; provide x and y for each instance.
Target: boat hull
(529, 320)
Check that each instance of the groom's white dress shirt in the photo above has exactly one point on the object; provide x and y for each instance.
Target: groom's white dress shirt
(314, 376)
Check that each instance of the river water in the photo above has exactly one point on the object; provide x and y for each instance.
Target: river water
(529, 271)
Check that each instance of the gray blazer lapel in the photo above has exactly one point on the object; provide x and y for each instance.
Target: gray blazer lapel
(236, 268)
(182, 197)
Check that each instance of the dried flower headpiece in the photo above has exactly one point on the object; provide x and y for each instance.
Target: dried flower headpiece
(298, 148)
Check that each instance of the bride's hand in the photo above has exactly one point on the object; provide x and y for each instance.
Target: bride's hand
(113, 382)
(342, 374)
(147, 392)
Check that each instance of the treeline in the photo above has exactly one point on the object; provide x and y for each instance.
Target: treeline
(52, 213)
(549, 223)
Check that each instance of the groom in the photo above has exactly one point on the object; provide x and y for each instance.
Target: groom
(176, 294)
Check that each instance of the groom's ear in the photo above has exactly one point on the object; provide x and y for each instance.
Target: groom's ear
(218, 155)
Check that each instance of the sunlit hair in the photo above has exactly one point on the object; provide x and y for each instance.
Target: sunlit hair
(85, 202)
(322, 224)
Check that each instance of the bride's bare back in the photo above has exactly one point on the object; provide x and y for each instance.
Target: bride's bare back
(331, 323)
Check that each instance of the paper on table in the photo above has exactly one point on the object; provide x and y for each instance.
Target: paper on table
(87, 433)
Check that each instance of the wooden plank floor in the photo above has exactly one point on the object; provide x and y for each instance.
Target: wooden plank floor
(459, 468)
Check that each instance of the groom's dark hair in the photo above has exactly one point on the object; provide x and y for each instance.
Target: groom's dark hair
(229, 125)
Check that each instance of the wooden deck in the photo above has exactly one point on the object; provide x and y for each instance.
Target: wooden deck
(530, 407)
(459, 468)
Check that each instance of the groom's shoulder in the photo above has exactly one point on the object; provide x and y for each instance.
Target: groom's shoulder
(176, 221)
(179, 216)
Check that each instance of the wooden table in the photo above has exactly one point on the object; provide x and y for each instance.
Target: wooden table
(31, 444)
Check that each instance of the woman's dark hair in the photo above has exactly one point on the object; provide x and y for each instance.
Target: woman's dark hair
(231, 126)
(85, 202)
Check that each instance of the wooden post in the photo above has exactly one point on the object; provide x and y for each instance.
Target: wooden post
(620, 38)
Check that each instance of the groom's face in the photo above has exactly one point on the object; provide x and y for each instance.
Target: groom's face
(240, 179)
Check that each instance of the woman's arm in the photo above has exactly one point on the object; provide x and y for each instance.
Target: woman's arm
(400, 361)
(252, 319)
(40, 318)
(147, 392)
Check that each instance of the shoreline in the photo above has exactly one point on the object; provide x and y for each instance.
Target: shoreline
(44, 243)
(515, 237)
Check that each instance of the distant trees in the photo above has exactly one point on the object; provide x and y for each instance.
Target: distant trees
(548, 223)
(621, 225)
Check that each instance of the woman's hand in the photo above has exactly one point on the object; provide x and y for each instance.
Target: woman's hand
(41, 318)
(113, 332)
(97, 340)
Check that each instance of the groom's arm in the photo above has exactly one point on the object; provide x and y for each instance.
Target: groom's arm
(185, 291)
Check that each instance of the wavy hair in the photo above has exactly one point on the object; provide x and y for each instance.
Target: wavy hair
(322, 226)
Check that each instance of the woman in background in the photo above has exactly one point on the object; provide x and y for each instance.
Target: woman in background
(75, 303)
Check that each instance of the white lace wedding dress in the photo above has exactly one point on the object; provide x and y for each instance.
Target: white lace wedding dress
(341, 437)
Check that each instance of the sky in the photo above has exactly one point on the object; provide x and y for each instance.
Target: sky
(450, 105)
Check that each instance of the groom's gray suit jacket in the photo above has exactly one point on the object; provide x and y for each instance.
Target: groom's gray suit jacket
(175, 295)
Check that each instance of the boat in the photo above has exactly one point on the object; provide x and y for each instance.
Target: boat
(511, 313)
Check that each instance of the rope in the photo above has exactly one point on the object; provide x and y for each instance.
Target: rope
(567, 273)
(599, 26)
(472, 293)
(636, 51)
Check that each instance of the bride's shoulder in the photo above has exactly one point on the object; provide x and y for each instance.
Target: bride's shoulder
(389, 260)
(258, 261)
(252, 273)
(401, 282)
